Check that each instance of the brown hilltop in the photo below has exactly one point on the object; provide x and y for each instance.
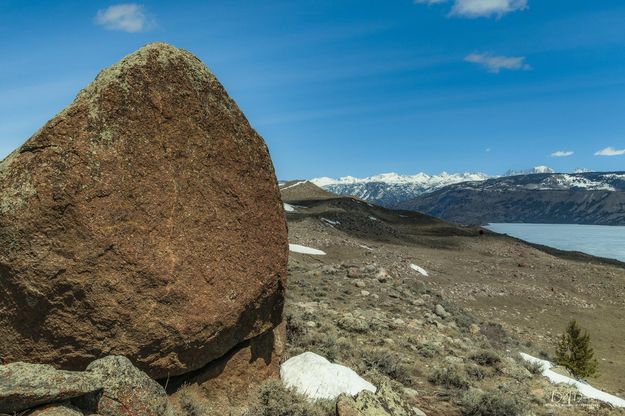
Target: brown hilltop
(144, 220)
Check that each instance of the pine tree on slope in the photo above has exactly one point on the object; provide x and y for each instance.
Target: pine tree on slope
(575, 352)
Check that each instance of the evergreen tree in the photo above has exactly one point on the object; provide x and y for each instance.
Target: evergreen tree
(575, 353)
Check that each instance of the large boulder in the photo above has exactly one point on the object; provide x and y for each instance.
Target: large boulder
(144, 220)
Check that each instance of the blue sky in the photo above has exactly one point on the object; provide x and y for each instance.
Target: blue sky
(345, 87)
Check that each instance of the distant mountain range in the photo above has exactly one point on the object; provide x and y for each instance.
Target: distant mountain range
(537, 196)
(391, 189)
(537, 169)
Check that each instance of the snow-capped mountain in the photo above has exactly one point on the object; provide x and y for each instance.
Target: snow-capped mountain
(389, 189)
(528, 195)
(535, 170)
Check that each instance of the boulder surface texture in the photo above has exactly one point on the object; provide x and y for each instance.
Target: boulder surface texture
(144, 220)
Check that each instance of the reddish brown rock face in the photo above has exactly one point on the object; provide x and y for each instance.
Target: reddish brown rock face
(144, 220)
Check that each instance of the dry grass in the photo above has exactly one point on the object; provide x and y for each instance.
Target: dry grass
(192, 401)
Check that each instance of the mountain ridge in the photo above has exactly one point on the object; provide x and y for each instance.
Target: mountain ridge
(389, 189)
(596, 198)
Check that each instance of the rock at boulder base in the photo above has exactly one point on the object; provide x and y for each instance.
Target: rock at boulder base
(23, 386)
(57, 410)
(144, 220)
(126, 390)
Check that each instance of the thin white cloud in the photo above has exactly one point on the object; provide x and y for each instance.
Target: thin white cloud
(486, 8)
(128, 17)
(562, 153)
(495, 63)
(610, 151)
(480, 8)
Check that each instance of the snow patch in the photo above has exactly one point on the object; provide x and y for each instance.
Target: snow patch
(292, 186)
(373, 218)
(333, 223)
(566, 181)
(317, 378)
(296, 248)
(585, 389)
(420, 270)
(289, 208)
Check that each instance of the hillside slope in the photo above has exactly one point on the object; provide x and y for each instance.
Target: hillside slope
(530, 291)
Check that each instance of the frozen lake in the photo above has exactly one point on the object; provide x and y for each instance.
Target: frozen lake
(598, 240)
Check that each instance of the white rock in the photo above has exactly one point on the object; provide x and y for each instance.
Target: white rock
(317, 378)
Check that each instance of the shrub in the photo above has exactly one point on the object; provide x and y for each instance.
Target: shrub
(575, 353)
(322, 341)
(325, 345)
(449, 377)
(533, 367)
(388, 364)
(475, 372)
(276, 400)
(486, 357)
(494, 333)
(490, 403)
(427, 350)
(351, 324)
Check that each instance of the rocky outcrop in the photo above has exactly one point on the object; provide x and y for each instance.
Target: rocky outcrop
(144, 220)
(385, 402)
